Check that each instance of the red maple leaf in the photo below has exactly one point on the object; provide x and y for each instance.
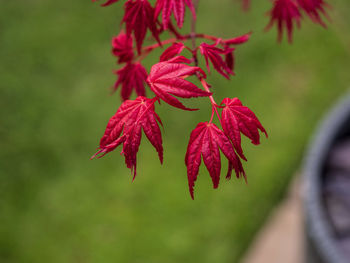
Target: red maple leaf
(237, 40)
(237, 119)
(285, 13)
(172, 51)
(177, 7)
(205, 141)
(125, 128)
(213, 53)
(109, 2)
(139, 15)
(122, 47)
(131, 77)
(168, 78)
(313, 8)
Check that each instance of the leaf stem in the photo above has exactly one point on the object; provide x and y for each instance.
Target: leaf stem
(206, 87)
(212, 114)
(215, 106)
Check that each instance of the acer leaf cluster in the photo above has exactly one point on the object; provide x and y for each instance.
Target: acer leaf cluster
(170, 80)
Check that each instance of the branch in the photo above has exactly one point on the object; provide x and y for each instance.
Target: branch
(193, 34)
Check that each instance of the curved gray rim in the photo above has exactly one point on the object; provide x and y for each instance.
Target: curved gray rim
(318, 229)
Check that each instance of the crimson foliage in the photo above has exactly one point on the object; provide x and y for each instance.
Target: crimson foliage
(205, 141)
(131, 77)
(125, 128)
(168, 80)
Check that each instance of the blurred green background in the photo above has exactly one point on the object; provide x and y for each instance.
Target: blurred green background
(55, 72)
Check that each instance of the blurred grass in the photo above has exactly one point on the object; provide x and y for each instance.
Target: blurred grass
(55, 71)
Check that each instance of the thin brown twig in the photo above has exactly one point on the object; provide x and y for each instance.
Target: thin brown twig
(193, 34)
